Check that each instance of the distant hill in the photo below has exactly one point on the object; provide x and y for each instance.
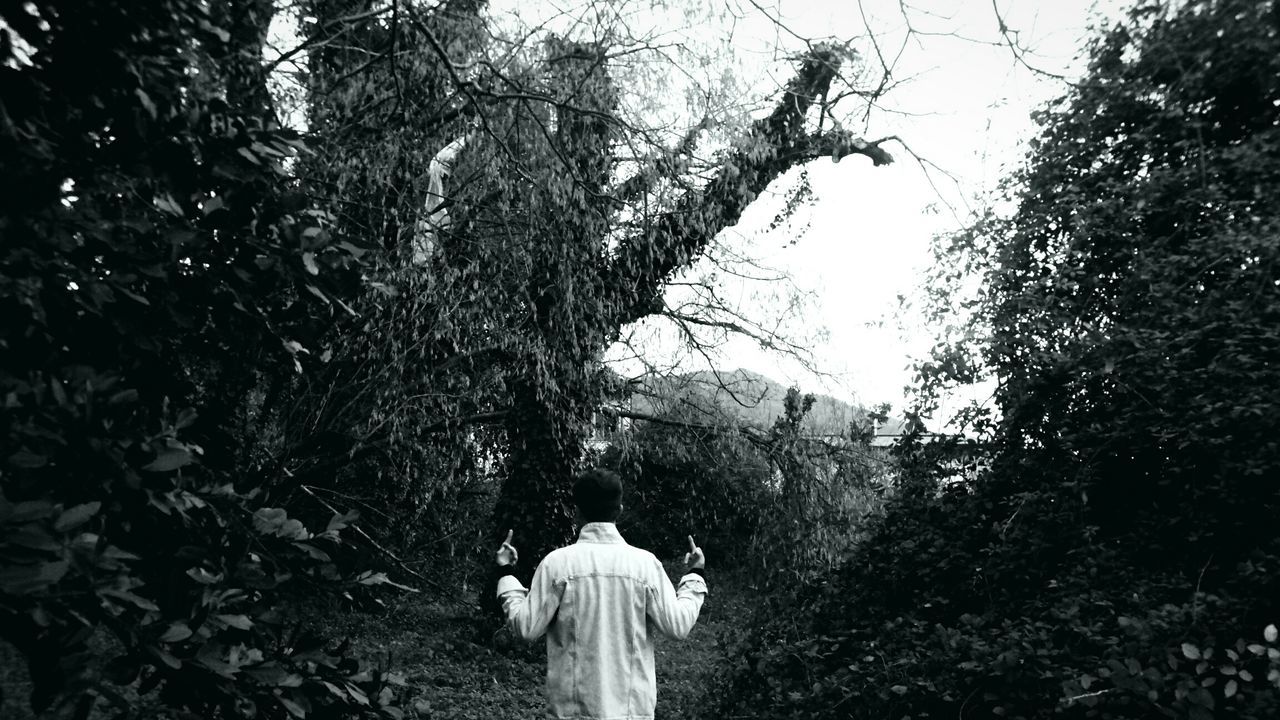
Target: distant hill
(746, 396)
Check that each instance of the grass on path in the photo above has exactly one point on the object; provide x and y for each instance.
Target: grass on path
(451, 675)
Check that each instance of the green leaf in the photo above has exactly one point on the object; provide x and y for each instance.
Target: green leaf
(339, 522)
(1191, 652)
(275, 676)
(312, 551)
(168, 460)
(26, 579)
(163, 656)
(147, 104)
(165, 202)
(30, 510)
(209, 659)
(336, 690)
(26, 460)
(59, 393)
(76, 516)
(241, 622)
(355, 252)
(132, 295)
(357, 695)
(34, 537)
(316, 291)
(204, 577)
(124, 396)
(380, 578)
(130, 598)
(294, 708)
(177, 632)
(221, 34)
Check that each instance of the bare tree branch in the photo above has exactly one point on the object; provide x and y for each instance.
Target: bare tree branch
(643, 263)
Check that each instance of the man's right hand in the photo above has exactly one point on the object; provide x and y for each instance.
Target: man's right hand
(507, 555)
(694, 559)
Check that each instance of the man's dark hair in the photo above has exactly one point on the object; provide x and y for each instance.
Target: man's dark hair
(598, 495)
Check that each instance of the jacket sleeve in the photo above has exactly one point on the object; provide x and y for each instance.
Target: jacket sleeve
(529, 612)
(674, 611)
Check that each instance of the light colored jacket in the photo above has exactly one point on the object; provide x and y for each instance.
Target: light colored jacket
(599, 601)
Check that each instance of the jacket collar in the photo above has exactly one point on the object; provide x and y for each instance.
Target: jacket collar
(600, 532)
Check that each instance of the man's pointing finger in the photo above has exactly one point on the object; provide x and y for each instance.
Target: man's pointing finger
(509, 534)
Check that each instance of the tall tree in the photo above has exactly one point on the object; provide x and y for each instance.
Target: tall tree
(558, 234)
(598, 267)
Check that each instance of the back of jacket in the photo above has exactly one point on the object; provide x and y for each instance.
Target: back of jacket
(599, 602)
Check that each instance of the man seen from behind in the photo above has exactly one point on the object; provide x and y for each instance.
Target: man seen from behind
(599, 601)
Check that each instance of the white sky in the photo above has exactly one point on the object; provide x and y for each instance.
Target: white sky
(869, 228)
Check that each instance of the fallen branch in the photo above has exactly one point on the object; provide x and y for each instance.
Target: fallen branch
(395, 558)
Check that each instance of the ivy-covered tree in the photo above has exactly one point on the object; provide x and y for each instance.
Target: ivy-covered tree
(603, 250)
(559, 234)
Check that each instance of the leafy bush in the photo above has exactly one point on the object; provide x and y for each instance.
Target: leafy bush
(823, 488)
(158, 267)
(778, 502)
(685, 480)
(1118, 557)
(942, 609)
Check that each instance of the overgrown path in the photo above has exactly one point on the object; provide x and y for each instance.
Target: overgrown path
(453, 672)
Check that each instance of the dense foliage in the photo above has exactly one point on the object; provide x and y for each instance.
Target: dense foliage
(689, 478)
(781, 503)
(530, 216)
(1119, 557)
(241, 296)
(156, 266)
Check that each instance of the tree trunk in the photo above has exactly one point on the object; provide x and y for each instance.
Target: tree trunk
(240, 59)
(545, 439)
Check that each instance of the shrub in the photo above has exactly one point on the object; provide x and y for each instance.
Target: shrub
(1117, 558)
(683, 481)
(158, 266)
(778, 503)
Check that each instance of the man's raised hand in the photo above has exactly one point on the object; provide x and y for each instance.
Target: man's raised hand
(507, 554)
(694, 558)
